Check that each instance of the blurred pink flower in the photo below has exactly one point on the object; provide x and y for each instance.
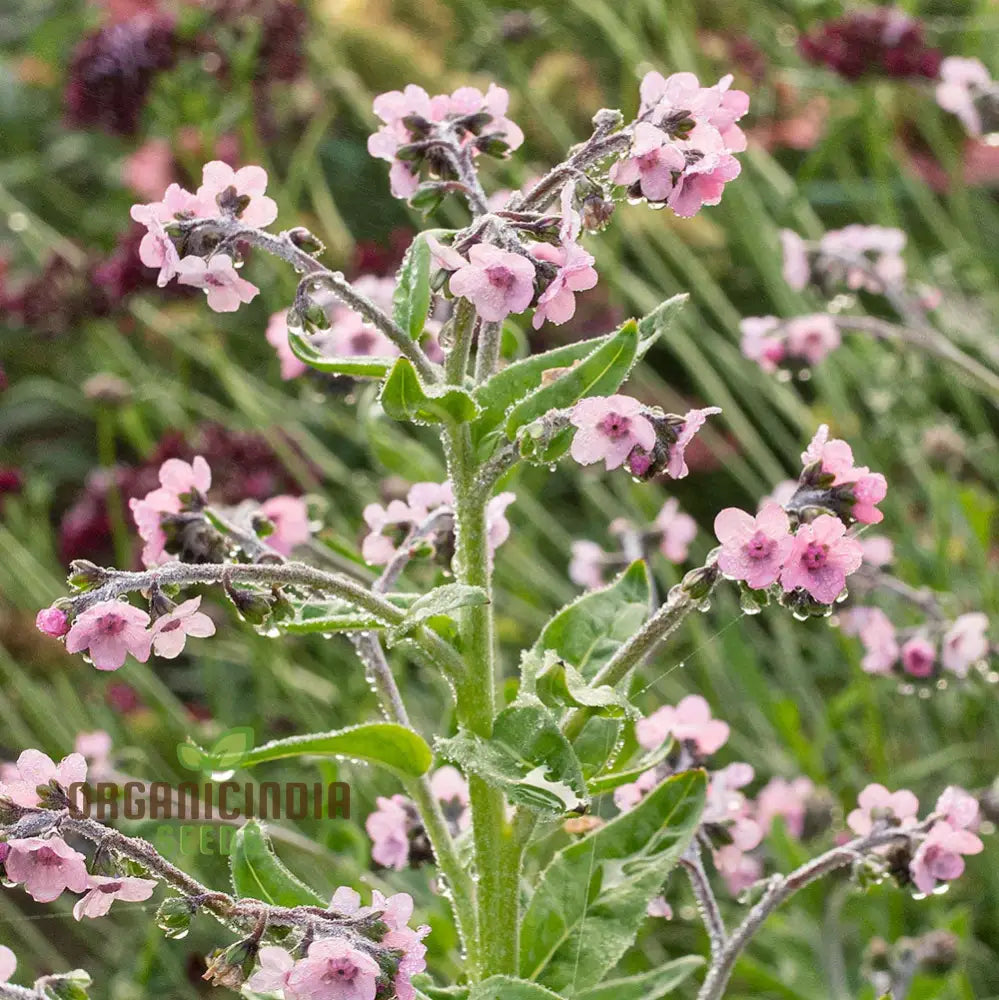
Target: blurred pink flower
(787, 799)
(812, 337)
(959, 808)
(688, 722)
(875, 802)
(965, 642)
(879, 550)
(762, 341)
(739, 870)
(277, 337)
(918, 656)
(961, 82)
(34, 768)
(678, 531)
(658, 907)
(8, 963)
(797, 269)
(388, 828)
(939, 857)
(149, 170)
(586, 567)
(290, 517)
(693, 421)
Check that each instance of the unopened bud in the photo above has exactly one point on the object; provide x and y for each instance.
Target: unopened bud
(493, 144)
(699, 583)
(85, 575)
(232, 966)
(66, 986)
(304, 240)
(253, 607)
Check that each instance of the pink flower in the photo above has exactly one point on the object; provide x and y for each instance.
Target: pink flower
(835, 457)
(35, 768)
(797, 269)
(658, 907)
(290, 517)
(586, 567)
(693, 421)
(868, 491)
(497, 282)
(46, 867)
(875, 802)
(821, 558)
(811, 338)
(609, 427)
(177, 205)
(95, 748)
(688, 722)
(149, 170)
(739, 870)
(334, 970)
(109, 631)
(654, 162)
(964, 643)
(879, 550)
(717, 106)
(881, 648)
(725, 805)
(52, 621)
(8, 963)
(181, 478)
(961, 82)
(444, 257)
(497, 526)
(787, 799)
(958, 807)
(918, 656)
(762, 341)
(871, 255)
(754, 549)
(628, 796)
(557, 303)
(157, 249)
(703, 182)
(388, 828)
(104, 891)
(277, 337)
(939, 857)
(179, 481)
(170, 631)
(678, 531)
(248, 182)
(781, 493)
(272, 974)
(449, 786)
(413, 961)
(223, 286)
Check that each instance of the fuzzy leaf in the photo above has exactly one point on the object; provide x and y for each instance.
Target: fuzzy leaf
(608, 782)
(600, 373)
(654, 324)
(258, 873)
(527, 756)
(403, 397)
(587, 633)
(439, 601)
(383, 743)
(591, 899)
(411, 299)
(652, 985)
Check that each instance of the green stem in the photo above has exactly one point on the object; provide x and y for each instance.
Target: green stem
(497, 849)
(462, 328)
(487, 357)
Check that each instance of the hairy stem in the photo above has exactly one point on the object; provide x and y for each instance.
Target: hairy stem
(780, 889)
(462, 332)
(488, 354)
(707, 905)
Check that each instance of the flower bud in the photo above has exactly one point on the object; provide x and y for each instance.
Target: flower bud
(174, 916)
(699, 583)
(304, 240)
(253, 607)
(85, 575)
(232, 966)
(67, 986)
(52, 621)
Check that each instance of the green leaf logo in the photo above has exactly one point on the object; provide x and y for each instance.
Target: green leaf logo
(224, 757)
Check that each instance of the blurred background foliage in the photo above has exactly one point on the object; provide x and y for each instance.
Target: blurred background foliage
(103, 376)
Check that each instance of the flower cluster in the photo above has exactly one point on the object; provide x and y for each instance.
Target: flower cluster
(670, 533)
(796, 344)
(683, 141)
(880, 41)
(389, 524)
(398, 839)
(966, 89)
(346, 968)
(937, 856)
(620, 430)
(422, 130)
(865, 258)
(738, 823)
(224, 194)
(922, 652)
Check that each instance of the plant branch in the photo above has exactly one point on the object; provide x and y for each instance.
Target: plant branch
(707, 904)
(488, 353)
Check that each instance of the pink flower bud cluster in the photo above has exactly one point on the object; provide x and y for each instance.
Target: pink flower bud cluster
(499, 281)
(852, 492)
(939, 853)
(744, 821)
(223, 194)
(397, 837)
(865, 258)
(922, 652)
(388, 522)
(620, 430)
(466, 117)
(671, 533)
(350, 968)
(683, 141)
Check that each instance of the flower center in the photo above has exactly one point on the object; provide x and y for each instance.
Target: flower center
(109, 888)
(341, 971)
(815, 555)
(110, 624)
(171, 626)
(759, 546)
(46, 856)
(500, 276)
(614, 425)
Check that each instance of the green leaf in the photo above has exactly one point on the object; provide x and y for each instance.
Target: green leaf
(231, 747)
(518, 380)
(258, 873)
(654, 324)
(560, 685)
(596, 744)
(411, 299)
(383, 743)
(651, 985)
(600, 373)
(403, 397)
(508, 988)
(591, 899)
(587, 633)
(527, 756)
(359, 367)
(439, 601)
(608, 782)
